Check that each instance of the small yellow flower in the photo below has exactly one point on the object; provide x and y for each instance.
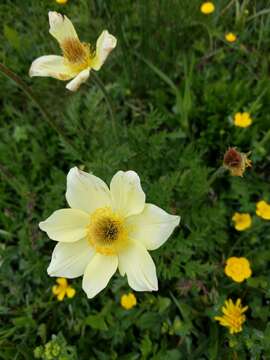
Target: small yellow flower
(128, 301)
(62, 2)
(236, 162)
(230, 37)
(263, 210)
(233, 317)
(241, 221)
(207, 7)
(63, 289)
(242, 119)
(238, 269)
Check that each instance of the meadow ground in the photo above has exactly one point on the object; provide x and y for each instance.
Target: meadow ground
(173, 84)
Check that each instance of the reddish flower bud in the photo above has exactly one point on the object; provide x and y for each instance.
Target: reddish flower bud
(236, 162)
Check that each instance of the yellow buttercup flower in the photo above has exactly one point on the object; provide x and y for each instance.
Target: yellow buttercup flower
(236, 162)
(128, 301)
(263, 209)
(233, 316)
(62, 2)
(242, 119)
(230, 37)
(238, 269)
(63, 289)
(78, 57)
(207, 7)
(242, 221)
(107, 229)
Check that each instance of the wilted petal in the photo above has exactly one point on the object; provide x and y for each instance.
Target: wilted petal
(127, 195)
(81, 78)
(51, 66)
(136, 262)
(86, 192)
(105, 44)
(98, 273)
(153, 226)
(61, 27)
(70, 260)
(66, 225)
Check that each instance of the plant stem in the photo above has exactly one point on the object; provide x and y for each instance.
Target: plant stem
(265, 139)
(216, 174)
(108, 102)
(27, 90)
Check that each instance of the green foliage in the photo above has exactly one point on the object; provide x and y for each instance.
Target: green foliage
(175, 85)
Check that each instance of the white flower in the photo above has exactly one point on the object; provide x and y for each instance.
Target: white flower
(78, 57)
(105, 229)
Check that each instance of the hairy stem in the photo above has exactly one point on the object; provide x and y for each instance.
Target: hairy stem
(220, 171)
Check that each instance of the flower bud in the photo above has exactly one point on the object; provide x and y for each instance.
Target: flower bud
(236, 162)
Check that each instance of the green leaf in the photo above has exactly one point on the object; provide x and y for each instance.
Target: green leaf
(96, 322)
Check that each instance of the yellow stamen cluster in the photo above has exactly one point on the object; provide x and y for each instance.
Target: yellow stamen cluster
(63, 289)
(128, 301)
(241, 221)
(233, 316)
(238, 269)
(107, 231)
(77, 54)
(62, 2)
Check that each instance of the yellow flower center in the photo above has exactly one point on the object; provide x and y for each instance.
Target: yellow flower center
(107, 231)
(78, 55)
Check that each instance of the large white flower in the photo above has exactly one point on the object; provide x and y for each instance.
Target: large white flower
(78, 57)
(105, 229)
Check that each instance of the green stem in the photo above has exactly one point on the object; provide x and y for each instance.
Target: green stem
(220, 171)
(108, 102)
(26, 89)
(265, 139)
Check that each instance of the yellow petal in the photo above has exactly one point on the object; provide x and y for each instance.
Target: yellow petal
(70, 292)
(105, 44)
(62, 282)
(56, 289)
(61, 296)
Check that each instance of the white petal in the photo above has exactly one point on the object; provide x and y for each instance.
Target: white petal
(70, 260)
(52, 66)
(66, 225)
(86, 192)
(98, 273)
(81, 78)
(153, 226)
(105, 44)
(136, 262)
(61, 27)
(127, 195)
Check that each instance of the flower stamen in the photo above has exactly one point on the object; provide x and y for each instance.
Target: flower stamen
(107, 231)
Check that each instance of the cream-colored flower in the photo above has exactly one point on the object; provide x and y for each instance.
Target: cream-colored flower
(78, 57)
(106, 229)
